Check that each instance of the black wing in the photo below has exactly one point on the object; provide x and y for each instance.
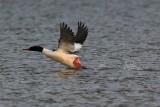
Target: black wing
(66, 41)
(81, 33)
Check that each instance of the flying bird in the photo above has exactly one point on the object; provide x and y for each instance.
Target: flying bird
(68, 45)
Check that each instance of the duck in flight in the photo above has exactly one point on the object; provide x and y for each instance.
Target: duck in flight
(68, 45)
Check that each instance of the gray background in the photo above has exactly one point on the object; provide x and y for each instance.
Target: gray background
(122, 52)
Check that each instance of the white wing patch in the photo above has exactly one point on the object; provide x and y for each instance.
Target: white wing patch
(77, 46)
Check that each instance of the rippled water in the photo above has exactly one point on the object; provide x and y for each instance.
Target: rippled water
(122, 52)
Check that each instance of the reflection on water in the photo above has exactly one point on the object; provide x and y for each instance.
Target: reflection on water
(67, 72)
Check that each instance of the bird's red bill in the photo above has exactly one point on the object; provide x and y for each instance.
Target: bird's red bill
(27, 49)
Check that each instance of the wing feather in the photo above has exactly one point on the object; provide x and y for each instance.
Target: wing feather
(80, 36)
(66, 41)
(81, 33)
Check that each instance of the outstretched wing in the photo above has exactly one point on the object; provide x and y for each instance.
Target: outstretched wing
(66, 41)
(80, 36)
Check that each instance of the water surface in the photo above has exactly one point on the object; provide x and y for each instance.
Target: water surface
(122, 52)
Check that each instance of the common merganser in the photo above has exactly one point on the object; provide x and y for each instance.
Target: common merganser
(68, 45)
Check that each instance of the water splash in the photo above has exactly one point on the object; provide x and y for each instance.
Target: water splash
(131, 65)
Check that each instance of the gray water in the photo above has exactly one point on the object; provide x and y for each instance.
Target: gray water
(122, 52)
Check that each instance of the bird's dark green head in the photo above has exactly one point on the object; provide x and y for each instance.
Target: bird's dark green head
(34, 48)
